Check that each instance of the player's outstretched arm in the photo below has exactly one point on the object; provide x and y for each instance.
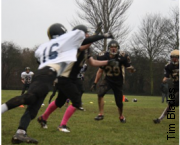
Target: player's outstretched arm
(95, 38)
(94, 62)
(84, 47)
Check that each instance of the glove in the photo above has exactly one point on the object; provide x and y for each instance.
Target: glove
(108, 35)
(98, 29)
(93, 87)
(113, 62)
(131, 69)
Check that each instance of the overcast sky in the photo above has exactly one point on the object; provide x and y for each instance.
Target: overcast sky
(25, 22)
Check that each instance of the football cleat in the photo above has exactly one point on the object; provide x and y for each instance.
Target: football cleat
(99, 117)
(42, 122)
(123, 120)
(63, 128)
(156, 121)
(20, 138)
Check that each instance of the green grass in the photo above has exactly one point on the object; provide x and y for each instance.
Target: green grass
(139, 129)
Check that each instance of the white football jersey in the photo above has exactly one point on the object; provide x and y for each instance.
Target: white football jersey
(62, 49)
(27, 77)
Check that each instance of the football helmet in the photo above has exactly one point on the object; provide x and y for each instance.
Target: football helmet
(175, 57)
(27, 68)
(134, 100)
(113, 47)
(56, 30)
(81, 27)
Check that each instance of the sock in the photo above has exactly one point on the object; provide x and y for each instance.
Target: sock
(21, 131)
(164, 113)
(52, 106)
(69, 112)
(4, 108)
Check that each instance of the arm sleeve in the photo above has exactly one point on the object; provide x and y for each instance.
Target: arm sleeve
(92, 39)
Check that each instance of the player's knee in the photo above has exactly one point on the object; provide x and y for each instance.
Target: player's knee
(33, 115)
(14, 102)
(77, 104)
(29, 98)
(119, 104)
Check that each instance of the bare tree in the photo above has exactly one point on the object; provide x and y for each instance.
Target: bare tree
(173, 31)
(11, 60)
(151, 41)
(112, 13)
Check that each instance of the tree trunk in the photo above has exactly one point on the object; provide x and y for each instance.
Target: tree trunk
(151, 78)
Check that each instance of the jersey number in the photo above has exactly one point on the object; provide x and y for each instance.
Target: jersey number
(112, 71)
(52, 54)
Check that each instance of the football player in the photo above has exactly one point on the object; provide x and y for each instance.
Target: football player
(70, 86)
(171, 70)
(51, 65)
(26, 78)
(114, 78)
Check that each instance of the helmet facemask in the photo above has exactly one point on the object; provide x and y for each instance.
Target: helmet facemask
(113, 50)
(175, 60)
(113, 47)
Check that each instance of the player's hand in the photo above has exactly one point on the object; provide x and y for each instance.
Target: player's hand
(93, 87)
(108, 35)
(113, 62)
(98, 29)
(131, 69)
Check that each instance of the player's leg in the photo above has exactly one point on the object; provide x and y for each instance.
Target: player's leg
(30, 113)
(167, 95)
(59, 102)
(23, 89)
(118, 94)
(103, 89)
(163, 95)
(41, 84)
(75, 96)
(168, 108)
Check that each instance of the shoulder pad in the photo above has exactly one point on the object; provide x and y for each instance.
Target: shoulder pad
(101, 53)
(122, 53)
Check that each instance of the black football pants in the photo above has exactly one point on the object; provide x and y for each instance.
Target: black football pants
(42, 83)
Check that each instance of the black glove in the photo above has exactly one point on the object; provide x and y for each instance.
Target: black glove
(113, 62)
(108, 35)
(98, 29)
(93, 87)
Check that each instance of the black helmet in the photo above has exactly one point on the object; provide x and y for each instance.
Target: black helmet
(113, 43)
(81, 27)
(56, 30)
(134, 100)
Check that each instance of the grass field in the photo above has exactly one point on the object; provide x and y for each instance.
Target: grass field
(138, 130)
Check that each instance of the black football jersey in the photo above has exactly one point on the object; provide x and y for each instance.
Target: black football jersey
(115, 74)
(172, 71)
(73, 69)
